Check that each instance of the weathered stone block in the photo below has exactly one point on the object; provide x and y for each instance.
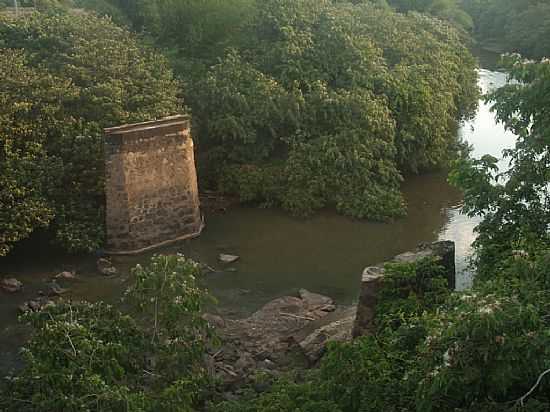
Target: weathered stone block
(371, 282)
(148, 168)
(372, 279)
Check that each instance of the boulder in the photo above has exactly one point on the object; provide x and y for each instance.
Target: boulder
(225, 258)
(245, 363)
(266, 364)
(56, 290)
(267, 339)
(35, 305)
(314, 345)
(227, 376)
(105, 267)
(10, 285)
(66, 275)
(215, 321)
(314, 301)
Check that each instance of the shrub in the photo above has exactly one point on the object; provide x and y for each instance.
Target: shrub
(93, 357)
(64, 78)
(337, 97)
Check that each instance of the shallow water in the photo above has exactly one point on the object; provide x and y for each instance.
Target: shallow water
(280, 254)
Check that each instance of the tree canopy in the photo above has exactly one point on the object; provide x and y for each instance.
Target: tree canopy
(335, 101)
(521, 26)
(64, 78)
(300, 104)
(307, 104)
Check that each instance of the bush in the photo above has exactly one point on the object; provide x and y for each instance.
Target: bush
(285, 396)
(411, 289)
(338, 100)
(93, 357)
(65, 78)
(487, 349)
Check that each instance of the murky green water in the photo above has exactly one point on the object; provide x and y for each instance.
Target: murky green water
(280, 254)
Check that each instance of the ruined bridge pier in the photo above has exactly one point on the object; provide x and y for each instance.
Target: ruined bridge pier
(151, 188)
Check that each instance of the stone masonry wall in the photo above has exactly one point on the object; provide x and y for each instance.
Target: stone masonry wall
(372, 278)
(151, 185)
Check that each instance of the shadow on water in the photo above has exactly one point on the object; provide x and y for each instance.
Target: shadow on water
(279, 254)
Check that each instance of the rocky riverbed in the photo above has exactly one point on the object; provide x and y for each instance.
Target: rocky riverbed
(287, 333)
(293, 331)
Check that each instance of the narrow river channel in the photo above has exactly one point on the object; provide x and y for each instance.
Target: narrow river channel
(280, 254)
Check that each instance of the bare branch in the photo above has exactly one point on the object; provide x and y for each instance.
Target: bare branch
(535, 386)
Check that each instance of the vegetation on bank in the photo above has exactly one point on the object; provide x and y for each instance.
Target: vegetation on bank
(95, 357)
(64, 78)
(521, 26)
(306, 104)
(299, 104)
(514, 203)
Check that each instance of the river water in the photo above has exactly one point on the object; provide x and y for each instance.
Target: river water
(280, 254)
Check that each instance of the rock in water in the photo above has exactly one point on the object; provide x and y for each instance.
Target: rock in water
(228, 258)
(214, 320)
(56, 290)
(35, 305)
(315, 301)
(11, 285)
(105, 267)
(66, 275)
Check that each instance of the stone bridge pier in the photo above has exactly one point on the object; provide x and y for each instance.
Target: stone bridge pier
(151, 188)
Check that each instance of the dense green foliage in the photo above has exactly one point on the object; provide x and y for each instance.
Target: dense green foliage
(65, 78)
(512, 25)
(450, 10)
(502, 25)
(300, 104)
(92, 357)
(307, 104)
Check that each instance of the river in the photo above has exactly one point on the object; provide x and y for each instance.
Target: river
(279, 254)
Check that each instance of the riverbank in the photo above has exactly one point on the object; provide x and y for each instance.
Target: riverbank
(279, 254)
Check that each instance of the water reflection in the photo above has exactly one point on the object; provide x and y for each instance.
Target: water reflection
(486, 137)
